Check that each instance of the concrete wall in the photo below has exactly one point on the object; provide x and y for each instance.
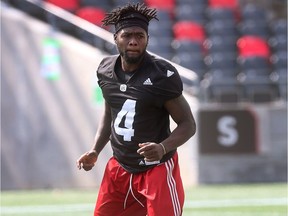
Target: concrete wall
(46, 124)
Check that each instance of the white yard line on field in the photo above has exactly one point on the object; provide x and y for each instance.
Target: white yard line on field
(47, 208)
(189, 204)
(235, 202)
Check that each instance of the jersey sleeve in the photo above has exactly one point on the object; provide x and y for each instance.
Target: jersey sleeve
(169, 84)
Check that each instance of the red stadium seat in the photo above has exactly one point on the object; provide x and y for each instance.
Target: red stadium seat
(70, 5)
(228, 4)
(189, 30)
(162, 4)
(91, 14)
(253, 46)
(233, 4)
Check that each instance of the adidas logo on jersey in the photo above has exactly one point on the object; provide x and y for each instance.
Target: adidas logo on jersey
(146, 163)
(169, 73)
(147, 82)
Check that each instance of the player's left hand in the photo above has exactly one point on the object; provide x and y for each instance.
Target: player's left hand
(151, 151)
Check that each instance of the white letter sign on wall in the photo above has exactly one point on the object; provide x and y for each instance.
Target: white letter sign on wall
(228, 134)
(227, 131)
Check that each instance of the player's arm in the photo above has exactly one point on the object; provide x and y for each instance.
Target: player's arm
(88, 159)
(180, 112)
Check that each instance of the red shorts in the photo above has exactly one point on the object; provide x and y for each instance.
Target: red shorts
(156, 192)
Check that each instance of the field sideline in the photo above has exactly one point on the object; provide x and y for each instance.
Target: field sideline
(214, 200)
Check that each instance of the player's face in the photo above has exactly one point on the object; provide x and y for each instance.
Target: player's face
(131, 43)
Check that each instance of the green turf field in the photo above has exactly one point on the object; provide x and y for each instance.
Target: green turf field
(216, 200)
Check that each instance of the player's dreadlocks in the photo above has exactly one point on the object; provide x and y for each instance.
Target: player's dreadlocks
(115, 15)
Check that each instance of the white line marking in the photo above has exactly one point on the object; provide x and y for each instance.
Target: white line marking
(194, 204)
(47, 208)
(235, 203)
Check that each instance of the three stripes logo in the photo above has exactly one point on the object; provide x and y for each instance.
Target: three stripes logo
(147, 82)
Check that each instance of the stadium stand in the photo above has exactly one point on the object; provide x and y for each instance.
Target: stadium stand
(168, 5)
(69, 5)
(220, 13)
(189, 30)
(222, 28)
(195, 34)
(189, 12)
(104, 5)
(233, 4)
(94, 15)
(161, 47)
(253, 46)
(252, 12)
(117, 3)
(28, 8)
(218, 44)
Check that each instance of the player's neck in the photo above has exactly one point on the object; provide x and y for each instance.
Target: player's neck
(126, 67)
(130, 67)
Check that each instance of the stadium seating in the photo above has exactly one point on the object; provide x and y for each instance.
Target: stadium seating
(30, 9)
(196, 3)
(189, 30)
(69, 5)
(282, 82)
(279, 60)
(105, 5)
(278, 39)
(163, 30)
(260, 93)
(278, 42)
(253, 46)
(255, 28)
(279, 26)
(233, 4)
(253, 12)
(189, 12)
(222, 28)
(220, 44)
(254, 62)
(184, 45)
(168, 5)
(191, 61)
(161, 47)
(118, 3)
(222, 86)
(91, 14)
(236, 48)
(220, 13)
(221, 61)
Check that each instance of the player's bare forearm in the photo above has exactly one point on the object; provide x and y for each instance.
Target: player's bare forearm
(104, 130)
(88, 159)
(180, 112)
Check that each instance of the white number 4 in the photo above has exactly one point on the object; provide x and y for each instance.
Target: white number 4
(127, 112)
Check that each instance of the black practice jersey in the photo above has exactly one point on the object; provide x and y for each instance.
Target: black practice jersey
(137, 107)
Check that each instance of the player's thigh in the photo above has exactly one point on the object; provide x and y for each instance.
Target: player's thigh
(114, 196)
(166, 195)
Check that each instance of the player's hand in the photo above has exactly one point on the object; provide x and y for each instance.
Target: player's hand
(87, 160)
(151, 151)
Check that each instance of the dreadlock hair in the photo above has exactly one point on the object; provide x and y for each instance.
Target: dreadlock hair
(115, 15)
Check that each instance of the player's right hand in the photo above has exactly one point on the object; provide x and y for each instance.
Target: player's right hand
(87, 160)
